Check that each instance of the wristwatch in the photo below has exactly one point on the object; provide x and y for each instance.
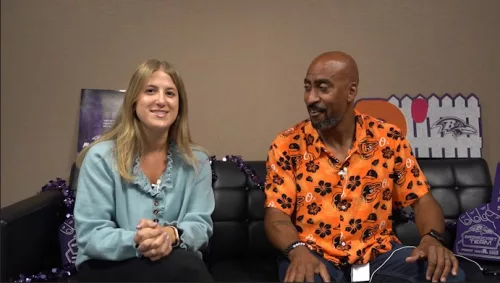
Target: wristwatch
(436, 235)
(177, 236)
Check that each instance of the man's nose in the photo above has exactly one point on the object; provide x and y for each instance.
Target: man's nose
(312, 97)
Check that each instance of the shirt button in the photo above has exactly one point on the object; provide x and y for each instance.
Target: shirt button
(156, 203)
(156, 220)
(155, 212)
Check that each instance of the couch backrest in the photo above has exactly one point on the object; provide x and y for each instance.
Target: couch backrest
(239, 213)
(457, 184)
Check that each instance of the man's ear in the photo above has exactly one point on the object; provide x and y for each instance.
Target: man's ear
(352, 91)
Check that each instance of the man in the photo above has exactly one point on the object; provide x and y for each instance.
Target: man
(332, 181)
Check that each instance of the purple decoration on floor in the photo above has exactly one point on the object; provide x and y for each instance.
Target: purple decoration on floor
(478, 230)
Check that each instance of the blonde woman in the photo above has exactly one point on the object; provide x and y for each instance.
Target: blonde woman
(144, 202)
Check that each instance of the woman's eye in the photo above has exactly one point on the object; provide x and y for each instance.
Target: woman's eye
(171, 93)
(150, 91)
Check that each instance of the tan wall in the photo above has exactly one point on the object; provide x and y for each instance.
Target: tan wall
(243, 63)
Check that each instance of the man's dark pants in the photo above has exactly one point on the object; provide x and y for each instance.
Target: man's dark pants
(394, 270)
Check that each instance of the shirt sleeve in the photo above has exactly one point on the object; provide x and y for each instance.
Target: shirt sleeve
(409, 181)
(97, 235)
(280, 188)
(196, 227)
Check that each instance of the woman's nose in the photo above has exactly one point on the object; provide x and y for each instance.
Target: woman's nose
(161, 98)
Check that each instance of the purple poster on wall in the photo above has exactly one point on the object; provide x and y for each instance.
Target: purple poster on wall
(478, 230)
(98, 109)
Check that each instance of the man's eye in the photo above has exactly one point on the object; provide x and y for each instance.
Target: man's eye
(307, 87)
(323, 88)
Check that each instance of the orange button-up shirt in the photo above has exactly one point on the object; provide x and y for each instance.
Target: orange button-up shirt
(343, 209)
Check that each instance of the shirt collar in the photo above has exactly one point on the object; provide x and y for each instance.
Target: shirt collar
(318, 147)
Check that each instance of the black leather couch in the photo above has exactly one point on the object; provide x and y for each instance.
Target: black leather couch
(238, 250)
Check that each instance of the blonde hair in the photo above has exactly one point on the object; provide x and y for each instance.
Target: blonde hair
(126, 131)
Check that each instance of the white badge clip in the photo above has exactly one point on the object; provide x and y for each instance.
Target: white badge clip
(360, 273)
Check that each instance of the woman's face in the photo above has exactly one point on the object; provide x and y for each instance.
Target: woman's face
(157, 104)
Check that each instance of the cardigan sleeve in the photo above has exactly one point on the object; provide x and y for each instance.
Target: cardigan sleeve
(196, 227)
(97, 235)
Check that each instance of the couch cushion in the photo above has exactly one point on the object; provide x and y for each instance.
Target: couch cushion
(245, 270)
(259, 245)
(230, 226)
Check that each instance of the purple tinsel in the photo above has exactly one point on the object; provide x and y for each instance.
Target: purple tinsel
(246, 169)
(55, 274)
(214, 176)
(61, 185)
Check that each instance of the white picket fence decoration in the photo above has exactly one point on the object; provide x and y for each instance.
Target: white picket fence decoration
(428, 141)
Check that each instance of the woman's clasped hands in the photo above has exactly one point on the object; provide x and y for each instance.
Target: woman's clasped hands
(152, 240)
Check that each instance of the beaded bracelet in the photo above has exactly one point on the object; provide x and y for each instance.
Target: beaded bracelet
(293, 246)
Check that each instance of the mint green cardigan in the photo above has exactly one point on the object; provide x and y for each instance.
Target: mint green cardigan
(108, 208)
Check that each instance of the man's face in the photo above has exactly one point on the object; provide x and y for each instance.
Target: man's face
(327, 94)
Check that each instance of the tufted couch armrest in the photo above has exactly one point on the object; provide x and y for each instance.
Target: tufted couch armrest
(29, 235)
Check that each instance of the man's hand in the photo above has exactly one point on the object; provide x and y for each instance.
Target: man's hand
(303, 266)
(440, 259)
(152, 240)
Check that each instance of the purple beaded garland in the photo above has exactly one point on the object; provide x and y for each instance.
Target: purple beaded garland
(214, 176)
(238, 160)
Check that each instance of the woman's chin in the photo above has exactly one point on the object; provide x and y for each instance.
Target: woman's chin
(157, 127)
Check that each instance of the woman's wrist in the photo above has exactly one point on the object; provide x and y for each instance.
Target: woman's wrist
(173, 234)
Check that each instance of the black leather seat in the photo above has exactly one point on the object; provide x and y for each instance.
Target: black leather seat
(239, 250)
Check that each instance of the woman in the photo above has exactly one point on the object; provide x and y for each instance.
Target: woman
(144, 202)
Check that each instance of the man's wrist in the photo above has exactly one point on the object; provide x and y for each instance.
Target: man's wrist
(428, 239)
(435, 235)
(296, 251)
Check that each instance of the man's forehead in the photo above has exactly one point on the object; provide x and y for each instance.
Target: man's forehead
(319, 77)
(326, 70)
